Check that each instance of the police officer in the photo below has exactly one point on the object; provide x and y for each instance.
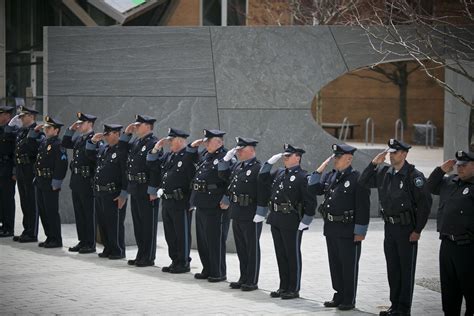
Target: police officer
(50, 169)
(243, 196)
(143, 186)
(292, 209)
(212, 217)
(25, 156)
(405, 205)
(110, 188)
(456, 230)
(7, 179)
(345, 210)
(82, 172)
(177, 170)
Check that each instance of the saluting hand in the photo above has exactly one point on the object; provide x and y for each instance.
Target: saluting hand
(274, 158)
(131, 128)
(380, 158)
(448, 165)
(74, 126)
(97, 137)
(197, 143)
(38, 127)
(159, 144)
(324, 164)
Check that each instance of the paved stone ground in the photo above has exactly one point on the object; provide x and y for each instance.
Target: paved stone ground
(53, 281)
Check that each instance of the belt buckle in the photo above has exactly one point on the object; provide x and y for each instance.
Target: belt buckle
(451, 237)
(234, 198)
(391, 220)
(330, 217)
(195, 186)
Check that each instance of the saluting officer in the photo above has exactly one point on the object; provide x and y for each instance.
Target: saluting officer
(456, 230)
(177, 170)
(110, 188)
(143, 187)
(243, 196)
(212, 217)
(25, 156)
(7, 178)
(405, 205)
(82, 172)
(50, 169)
(345, 210)
(292, 209)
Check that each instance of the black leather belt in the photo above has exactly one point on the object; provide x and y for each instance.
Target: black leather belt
(404, 218)
(44, 173)
(202, 186)
(347, 217)
(456, 238)
(176, 195)
(139, 177)
(241, 199)
(109, 187)
(284, 208)
(84, 171)
(22, 160)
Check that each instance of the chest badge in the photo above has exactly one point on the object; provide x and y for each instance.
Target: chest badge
(114, 155)
(216, 161)
(401, 184)
(48, 148)
(465, 191)
(292, 178)
(248, 172)
(347, 184)
(180, 163)
(143, 148)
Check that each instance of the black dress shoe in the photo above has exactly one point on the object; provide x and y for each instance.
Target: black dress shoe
(249, 287)
(76, 248)
(132, 262)
(103, 255)
(16, 238)
(41, 244)
(289, 295)
(169, 268)
(216, 279)
(144, 263)
(87, 250)
(116, 257)
(235, 285)
(277, 293)
(388, 312)
(180, 269)
(53, 244)
(25, 239)
(331, 304)
(346, 307)
(6, 233)
(201, 276)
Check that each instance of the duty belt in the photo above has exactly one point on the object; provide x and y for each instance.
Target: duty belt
(347, 217)
(176, 195)
(284, 208)
(22, 159)
(241, 199)
(139, 177)
(44, 173)
(404, 218)
(84, 171)
(109, 187)
(460, 239)
(202, 186)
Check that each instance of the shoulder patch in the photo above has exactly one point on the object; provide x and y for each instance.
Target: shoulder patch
(419, 182)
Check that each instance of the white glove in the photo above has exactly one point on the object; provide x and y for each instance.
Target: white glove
(258, 218)
(160, 193)
(274, 158)
(15, 121)
(302, 226)
(230, 154)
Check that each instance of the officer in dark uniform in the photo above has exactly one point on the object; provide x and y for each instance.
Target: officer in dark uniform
(7, 179)
(50, 169)
(143, 187)
(243, 196)
(82, 172)
(110, 188)
(456, 230)
(345, 210)
(405, 205)
(212, 217)
(25, 156)
(292, 209)
(177, 171)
